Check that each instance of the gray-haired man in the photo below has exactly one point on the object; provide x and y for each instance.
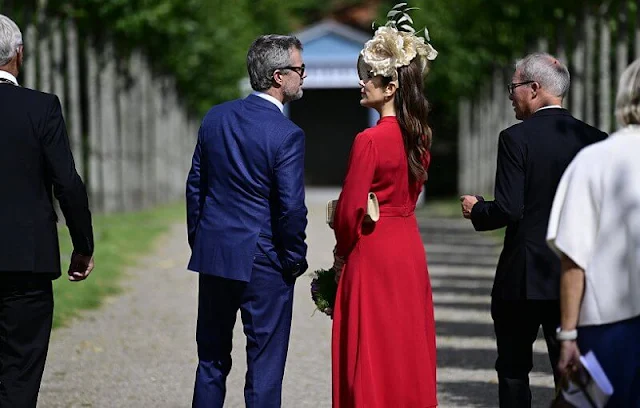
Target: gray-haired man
(34, 160)
(246, 218)
(532, 156)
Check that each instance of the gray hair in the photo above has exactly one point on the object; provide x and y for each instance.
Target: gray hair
(267, 54)
(546, 70)
(10, 39)
(628, 97)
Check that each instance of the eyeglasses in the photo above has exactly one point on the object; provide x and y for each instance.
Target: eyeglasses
(298, 70)
(514, 85)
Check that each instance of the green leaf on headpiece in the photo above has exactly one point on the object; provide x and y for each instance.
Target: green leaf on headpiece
(405, 18)
(399, 6)
(426, 35)
(407, 28)
(392, 13)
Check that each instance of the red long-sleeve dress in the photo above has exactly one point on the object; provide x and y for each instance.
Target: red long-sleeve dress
(383, 340)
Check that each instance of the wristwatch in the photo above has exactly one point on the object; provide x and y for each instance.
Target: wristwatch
(566, 335)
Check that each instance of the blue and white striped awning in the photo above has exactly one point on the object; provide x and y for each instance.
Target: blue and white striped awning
(330, 53)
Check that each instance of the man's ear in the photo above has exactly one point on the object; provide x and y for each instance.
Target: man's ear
(277, 78)
(535, 87)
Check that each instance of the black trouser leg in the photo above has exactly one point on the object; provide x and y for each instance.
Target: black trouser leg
(26, 316)
(516, 325)
(550, 320)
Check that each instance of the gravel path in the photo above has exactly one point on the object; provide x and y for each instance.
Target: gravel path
(138, 350)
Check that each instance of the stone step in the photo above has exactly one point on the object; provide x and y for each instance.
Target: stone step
(461, 260)
(454, 240)
(448, 230)
(465, 235)
(462, 249)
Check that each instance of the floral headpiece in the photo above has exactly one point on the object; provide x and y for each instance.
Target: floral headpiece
(395, 45)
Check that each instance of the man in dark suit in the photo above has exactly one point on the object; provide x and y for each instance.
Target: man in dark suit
(532, 156)
(35, 159)
(246, 219)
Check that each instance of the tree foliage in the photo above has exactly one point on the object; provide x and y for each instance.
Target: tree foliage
(203, 43)
(474, 37)
(200, 43)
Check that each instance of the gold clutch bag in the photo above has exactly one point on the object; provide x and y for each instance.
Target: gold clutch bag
(373, 209)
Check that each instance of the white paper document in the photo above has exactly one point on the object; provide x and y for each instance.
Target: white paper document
(596, 390)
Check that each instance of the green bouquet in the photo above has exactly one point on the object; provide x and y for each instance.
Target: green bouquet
(323, 290)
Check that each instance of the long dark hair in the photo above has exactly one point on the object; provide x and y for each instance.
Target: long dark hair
(412, 109)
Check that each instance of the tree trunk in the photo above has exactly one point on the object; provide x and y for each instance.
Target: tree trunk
(44, 60)
(108, 131)
(561, 51)
(637, 25)
(123, 113)
(171, 137)
(135, 134)
(146, 115)
(485, 162)
(605, 72)
(499, 95)
(74, 99)
(94, 96)
(31, 63)
(474, 162)
(589, 66)
(157, 140)
(44, 50)
(577, 90)
(622, 44)
(57, 63)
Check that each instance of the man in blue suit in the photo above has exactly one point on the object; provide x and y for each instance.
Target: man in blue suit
(246, 220)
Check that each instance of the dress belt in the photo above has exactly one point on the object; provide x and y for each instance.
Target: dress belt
(402, 211)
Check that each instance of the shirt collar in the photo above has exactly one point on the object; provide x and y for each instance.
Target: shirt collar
(549, 107)
(271, 99)
(8, 76)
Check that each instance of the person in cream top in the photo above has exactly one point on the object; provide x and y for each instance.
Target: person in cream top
(594, 228)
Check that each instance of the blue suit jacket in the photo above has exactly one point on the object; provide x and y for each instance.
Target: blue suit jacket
(245, 191)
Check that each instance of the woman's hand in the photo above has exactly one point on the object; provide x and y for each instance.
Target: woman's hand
(569, 361)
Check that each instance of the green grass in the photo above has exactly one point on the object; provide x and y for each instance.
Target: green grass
(120, 239)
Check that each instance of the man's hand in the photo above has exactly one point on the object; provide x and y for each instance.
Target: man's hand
(569, 361)
(467, 202)
(80, 267)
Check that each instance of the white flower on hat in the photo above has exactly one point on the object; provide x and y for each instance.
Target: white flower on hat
(391, 48)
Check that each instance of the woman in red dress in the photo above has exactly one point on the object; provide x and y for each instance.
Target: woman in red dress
(383, 340)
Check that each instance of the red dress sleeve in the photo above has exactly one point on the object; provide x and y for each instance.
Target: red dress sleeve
(352, 203)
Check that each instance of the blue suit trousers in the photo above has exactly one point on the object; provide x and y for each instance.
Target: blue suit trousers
(266, 306)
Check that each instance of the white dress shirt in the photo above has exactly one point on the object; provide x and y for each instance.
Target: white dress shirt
(549, 107)
(6, 75)
(595, 221)
(271, 99)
